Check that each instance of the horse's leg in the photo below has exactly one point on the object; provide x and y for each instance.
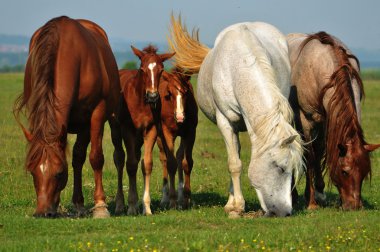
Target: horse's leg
(187, 165)
(319, 183)
(180, 154)
(97, 159)
(146, 167)
(236, 204)
(133, 144)
(310, 164)
(79, 157)
(119, 159)
(171, 166)
(165, 186)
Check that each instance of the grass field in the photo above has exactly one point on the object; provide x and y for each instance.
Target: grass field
(203, 228)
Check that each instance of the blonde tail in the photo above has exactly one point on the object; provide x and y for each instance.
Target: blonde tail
(190, 53)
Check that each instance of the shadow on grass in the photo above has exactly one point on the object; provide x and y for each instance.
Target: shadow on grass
(332, 201)
(212, 199)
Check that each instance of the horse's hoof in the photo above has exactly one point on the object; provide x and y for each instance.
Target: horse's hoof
(312, 207)
(119, 209)
(132, 211)
(173, 204)
(320, 198)
(100, 211)
(229, 208)
(147, 211)
(234, 215)
(164, 204)
(80, 211)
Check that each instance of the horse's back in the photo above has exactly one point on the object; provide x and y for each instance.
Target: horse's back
(245, 57)
(83, 66)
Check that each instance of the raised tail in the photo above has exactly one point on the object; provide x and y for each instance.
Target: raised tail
(190, 53)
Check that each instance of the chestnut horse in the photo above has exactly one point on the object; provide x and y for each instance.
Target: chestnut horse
(326, 95)
(179, 117)
(139, 115)
(71, 86)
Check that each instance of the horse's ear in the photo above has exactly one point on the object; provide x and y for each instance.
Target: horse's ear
(166, 56)
(371, 147)
(342, 150)
(137, 52)
(27, 134)
(288, 141)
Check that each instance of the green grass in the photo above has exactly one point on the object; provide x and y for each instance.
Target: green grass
(370, 74)
(203, 228)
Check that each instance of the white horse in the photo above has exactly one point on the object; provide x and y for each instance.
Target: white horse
(243, 84)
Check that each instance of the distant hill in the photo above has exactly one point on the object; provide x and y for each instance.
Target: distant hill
(14, 51)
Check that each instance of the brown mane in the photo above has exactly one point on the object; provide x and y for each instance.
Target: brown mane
(38, 99)
(150, 49)
(341, 120)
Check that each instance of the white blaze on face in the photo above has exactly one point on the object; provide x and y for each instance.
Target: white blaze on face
(43, 167)
(151, 67)
(179, 108)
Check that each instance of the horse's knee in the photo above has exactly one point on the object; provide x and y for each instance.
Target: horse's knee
(147, 165)
(131, 167)
(96, 159)
(79, 155)
(234, 166)
(119, 157)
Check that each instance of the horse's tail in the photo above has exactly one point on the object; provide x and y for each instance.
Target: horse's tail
(190, 53)
(38, 98)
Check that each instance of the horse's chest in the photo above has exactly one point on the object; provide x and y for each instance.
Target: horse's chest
(142, 119)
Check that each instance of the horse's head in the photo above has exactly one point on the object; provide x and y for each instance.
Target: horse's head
(177, 89)
(151, 66)
(352, 167)
(47, 164)
(271, 175)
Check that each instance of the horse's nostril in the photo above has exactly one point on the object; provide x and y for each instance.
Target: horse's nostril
(288, 214)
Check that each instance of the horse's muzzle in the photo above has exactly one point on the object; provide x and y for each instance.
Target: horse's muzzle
(152, 97)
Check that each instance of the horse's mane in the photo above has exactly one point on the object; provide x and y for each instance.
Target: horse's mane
(277, 122)
(150, 49)
(342, 120)
(38, 98)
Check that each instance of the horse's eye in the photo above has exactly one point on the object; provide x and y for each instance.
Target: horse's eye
(282, 170)
(345, 173)
(59, 175)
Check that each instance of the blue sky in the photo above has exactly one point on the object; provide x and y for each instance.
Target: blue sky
(355, 22)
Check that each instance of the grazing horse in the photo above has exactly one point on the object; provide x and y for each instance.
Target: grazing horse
(139, 115)
(71, 86)
(179, 117)
(243, 84)
(326, 95)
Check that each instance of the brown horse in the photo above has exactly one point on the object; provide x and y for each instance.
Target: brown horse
(71, 85)
(179, 117)
(326, 98)
(139, 115)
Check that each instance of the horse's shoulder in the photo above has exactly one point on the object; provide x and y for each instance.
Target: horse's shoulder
(127, 78)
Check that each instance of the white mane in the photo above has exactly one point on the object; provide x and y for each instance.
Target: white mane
(276, 125)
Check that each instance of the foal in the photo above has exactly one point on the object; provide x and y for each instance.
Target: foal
(179, 117)
(138, 115)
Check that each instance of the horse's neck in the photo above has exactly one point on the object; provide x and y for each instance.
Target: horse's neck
(138, 86)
